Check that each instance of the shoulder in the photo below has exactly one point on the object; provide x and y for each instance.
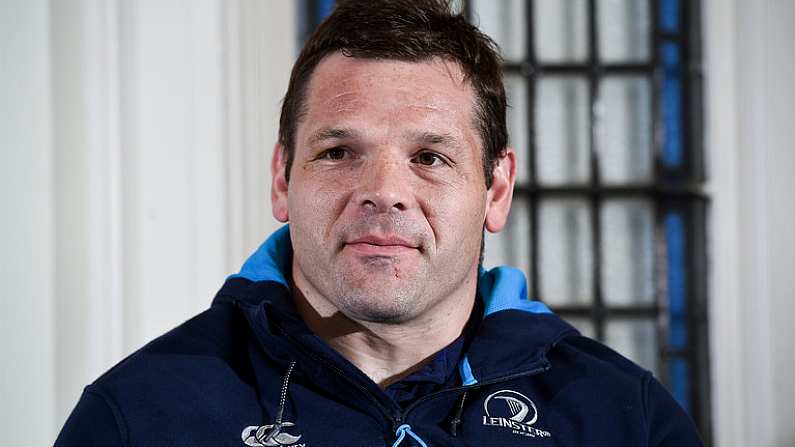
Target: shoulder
(199, 375)
(581, 366)
(595, 375)
(598, 358)
(210, 348)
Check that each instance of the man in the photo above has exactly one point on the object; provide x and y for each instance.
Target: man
(369, 321)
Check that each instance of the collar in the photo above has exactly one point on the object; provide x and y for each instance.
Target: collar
(513, 337)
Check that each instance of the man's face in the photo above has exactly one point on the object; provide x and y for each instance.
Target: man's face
(386, 199)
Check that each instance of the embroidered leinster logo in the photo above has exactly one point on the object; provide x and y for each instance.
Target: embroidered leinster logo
(513, 411)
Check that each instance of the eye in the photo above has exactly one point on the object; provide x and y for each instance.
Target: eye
(335, 153)
(428, 159)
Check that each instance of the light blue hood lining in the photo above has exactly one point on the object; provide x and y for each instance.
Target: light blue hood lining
(501, 288)
(271, 260)
(505, 288)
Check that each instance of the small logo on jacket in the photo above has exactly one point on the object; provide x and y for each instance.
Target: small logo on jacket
(514, 411)
(270, 436)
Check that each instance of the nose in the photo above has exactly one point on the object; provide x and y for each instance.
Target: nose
(384, 187)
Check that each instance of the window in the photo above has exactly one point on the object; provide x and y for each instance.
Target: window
(609, 215)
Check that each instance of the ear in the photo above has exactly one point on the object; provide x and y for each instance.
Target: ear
(500, 195)
(279, 183)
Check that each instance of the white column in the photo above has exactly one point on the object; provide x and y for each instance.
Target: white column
(724, 229)
(170, 56)
(139, 179)
(750, 67)
(27, 253)
(261, 48)
(87, 194)
(775, 146)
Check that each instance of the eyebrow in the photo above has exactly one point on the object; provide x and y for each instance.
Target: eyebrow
(445, 139)
(332, 134)
(429, 138)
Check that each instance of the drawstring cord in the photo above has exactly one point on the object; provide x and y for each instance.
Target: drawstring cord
(456, 421)
(272, 435)
(283, 398)
(404, 430)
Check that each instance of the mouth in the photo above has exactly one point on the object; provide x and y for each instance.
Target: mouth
(382, 246)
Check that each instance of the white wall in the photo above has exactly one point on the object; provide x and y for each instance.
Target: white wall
(750, 104)
(135, 177)
(27, 299)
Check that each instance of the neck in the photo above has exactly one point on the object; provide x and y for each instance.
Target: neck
(386, 352)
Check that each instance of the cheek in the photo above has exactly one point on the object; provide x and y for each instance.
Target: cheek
(457, 218)
(314, 205)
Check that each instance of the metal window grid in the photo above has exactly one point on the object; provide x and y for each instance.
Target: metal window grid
(676, 192)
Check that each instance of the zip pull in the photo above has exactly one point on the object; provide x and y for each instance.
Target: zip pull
(397, 421)
(456, 421)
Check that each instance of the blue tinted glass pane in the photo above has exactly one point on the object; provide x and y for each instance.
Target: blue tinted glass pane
(675, 237)
(673, 152)
(670, 56)
(324, 8)
(679, 371)
(677, 280)
(669, 15)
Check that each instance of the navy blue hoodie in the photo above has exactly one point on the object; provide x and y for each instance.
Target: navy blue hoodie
(248, 372)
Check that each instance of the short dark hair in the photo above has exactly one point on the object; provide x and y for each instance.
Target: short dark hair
(405, 30)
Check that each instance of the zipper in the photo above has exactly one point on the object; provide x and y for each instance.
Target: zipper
(395, 419)
(398, 419)
(543, 368)
(300, 347)
(297, 344)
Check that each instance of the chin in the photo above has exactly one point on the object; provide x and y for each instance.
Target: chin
(379, 306)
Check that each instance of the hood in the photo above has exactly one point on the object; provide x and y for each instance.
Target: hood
(514, 335)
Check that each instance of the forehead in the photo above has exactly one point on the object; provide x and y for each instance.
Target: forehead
(435, 91)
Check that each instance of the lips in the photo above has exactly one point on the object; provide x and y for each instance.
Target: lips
(372, 245)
